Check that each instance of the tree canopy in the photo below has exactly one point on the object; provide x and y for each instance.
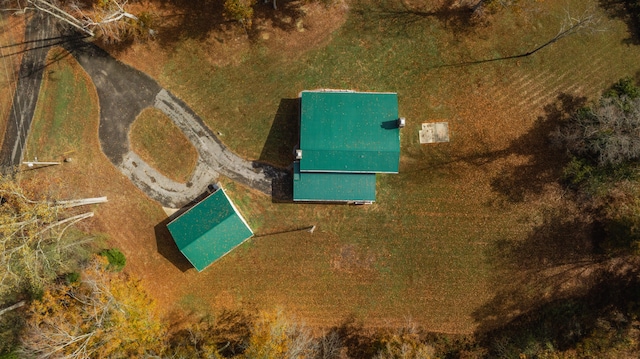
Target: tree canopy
(603, 140)
(102, 315)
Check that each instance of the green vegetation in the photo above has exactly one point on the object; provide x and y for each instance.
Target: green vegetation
(37, 240)
(39, 244)
(605, 134)
(157, 140)
(104, 315)
(604, 150)
(240, 10)
(52, 134)
(597, 324)
(72, 277)
(115, 258)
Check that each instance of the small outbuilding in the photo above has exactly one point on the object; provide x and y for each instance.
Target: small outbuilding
(209, 230)
(346, 137)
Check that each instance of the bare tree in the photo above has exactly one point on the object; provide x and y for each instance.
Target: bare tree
(106, 19)
(606, 134)
(36, 242)
(330, 346)
(585, 22)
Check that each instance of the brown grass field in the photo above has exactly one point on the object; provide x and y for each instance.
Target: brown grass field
(11, 57)
(469, 234)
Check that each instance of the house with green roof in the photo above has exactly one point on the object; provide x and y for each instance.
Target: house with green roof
(346, 137)
(209, 230)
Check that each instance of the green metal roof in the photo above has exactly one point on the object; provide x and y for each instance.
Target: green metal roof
(209, 230)
(332, 186)
(349, 132)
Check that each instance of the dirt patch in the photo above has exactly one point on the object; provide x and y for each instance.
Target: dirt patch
(351, 259)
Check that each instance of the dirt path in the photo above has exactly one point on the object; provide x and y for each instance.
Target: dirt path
(123, 93)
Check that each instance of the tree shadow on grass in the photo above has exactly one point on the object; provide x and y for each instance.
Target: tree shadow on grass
(606, 311)
(185, 19)
(42, 44)
(458, 19)
(180, 20)
(167, 246)
(227, 330)
(544, 165)
(351, 339)
(539, 280)
(561, 257)
(558, 259)
(28, 81)
(627, 11)
(358, 341)
(555, 288)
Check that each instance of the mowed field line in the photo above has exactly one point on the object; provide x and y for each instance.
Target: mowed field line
(524, 83)
(580, 78)
(534, 92)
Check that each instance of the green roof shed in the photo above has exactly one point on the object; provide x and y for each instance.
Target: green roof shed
(349, 132)
(333, 186)
(209, 230)
(346, 137)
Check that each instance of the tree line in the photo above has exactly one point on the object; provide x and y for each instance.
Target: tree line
(117, 21)
(602, 143)
(84, 306)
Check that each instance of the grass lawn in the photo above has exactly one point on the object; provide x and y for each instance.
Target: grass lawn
(53, 135)
(444, 244)
(428, 250)
(160, 143)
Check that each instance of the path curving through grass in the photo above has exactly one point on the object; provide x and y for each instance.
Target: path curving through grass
(123, 94)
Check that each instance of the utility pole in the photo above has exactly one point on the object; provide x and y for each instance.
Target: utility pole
(34, 163)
